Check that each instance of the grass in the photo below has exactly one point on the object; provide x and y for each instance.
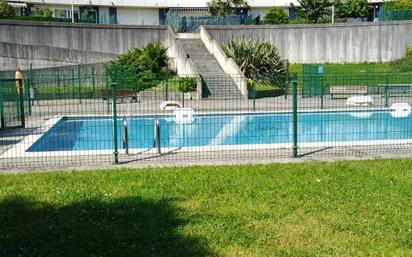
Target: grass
(360, 74)
(348, 68)
(172, 85)
(264, 86)
(357, 208)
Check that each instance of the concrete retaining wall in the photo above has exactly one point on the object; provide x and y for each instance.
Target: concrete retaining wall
(334, 43)
(7, 63)
(180, 61)
(114, 39)
(46, 44)
(55, 54)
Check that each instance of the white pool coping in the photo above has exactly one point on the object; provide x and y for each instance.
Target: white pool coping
(20, 149)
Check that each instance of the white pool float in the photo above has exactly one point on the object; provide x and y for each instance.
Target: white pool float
(360, 100)
(183, 115)
(400, 110)
(169, 105)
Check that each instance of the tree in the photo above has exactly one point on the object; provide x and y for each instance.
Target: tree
(314, 10)
(6, 10)
(225, 7)
(276, 15)
(353, 9)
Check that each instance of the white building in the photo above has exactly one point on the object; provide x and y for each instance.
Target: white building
(142, 12)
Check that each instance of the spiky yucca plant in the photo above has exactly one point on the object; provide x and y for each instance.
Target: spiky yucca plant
(255, 57)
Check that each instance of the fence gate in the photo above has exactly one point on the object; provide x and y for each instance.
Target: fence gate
(13, 106)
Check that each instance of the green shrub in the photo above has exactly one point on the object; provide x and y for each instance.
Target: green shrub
(276, 15)
(45, 13)
(255, 57)
(299, 20)
(139, 69)
(225, 7)
(314, 11)
(39, 18)
(87, 17)
(188, 84)
(353, 9)
(403, 64)
(398, 5)
(153, 58)
(6, 10)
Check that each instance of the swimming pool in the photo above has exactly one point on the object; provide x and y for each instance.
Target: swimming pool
(87, 133)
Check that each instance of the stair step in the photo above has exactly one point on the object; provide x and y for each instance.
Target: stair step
(219, 84)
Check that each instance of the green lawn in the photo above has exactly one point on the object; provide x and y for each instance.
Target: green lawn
(172, 85)
(264, 86)
(357, 208)
(361, 74)
(349, 68)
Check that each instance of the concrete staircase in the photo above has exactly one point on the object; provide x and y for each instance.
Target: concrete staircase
(216, 83)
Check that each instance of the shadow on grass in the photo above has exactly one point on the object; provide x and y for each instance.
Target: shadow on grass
(121, 227)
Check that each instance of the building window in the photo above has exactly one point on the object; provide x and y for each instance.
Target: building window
(60, 13)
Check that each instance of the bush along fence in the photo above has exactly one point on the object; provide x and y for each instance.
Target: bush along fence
(91, 115)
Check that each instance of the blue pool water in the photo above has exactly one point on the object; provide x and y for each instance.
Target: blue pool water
(235, 129)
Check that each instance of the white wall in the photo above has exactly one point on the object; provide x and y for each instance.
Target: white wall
(138, 16)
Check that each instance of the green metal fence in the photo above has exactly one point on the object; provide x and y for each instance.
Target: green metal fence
(395, 15)
(312, 80)
(192, 23)
(13, 106)
(94, 115)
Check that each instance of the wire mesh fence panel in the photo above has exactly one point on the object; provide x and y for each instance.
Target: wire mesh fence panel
(357, 115)
(393, 15)
(12, 104)
(95, 115)
(218, 120)
(56, 133)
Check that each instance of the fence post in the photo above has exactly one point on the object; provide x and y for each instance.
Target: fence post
(73, 84)
(58, 82)
(29, 85)
(157, 135)
(2, 121)
(295, 115)
(322, 92)
(94, 83)
(21, 101)
(286, 79)
(115, 150)
(386, 91)
(254, 95)
(167, 89)
(79, 83)
(107, 88)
